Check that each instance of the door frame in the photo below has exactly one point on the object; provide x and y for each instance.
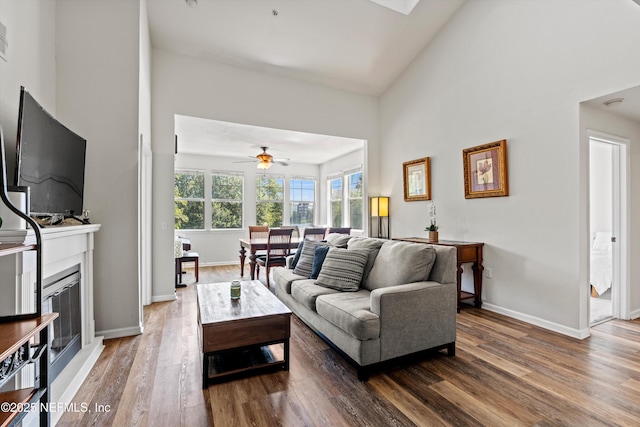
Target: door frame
(620, 221)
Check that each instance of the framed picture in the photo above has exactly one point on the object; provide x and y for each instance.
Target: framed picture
(417, 179)
(485, 170)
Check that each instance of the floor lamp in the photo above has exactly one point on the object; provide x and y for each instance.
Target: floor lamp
(379, 209)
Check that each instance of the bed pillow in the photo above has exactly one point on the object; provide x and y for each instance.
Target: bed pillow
(342, 269)
(305, 263)
(601, 241)
(319, 256)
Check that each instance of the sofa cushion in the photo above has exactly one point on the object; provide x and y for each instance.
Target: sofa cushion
(373, 245)
(338, 240)
(400, 263)
(284, 277)
(342, 269)
(305, 263)
(306, 291)
(318, 259)
(350, 312)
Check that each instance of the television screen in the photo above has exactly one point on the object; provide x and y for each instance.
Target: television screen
(51, 160)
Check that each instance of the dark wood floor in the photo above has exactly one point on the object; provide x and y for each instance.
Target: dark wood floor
(505, 373)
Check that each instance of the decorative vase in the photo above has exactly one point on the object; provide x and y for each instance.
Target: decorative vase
(433, 236)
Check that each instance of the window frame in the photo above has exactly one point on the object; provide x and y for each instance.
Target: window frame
(292, 200)
(282, 200)
(213, 200)
(189, 171)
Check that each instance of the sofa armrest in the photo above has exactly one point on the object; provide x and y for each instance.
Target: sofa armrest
(415, 316)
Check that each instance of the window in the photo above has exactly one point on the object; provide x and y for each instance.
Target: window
(189, 199)
(302, 195)
(335, 201)
(226, 200)
(355, 200)
(269, 200)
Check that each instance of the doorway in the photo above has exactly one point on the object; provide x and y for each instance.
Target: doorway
(607, 227)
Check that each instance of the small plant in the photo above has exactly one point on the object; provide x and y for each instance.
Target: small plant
(432, 218)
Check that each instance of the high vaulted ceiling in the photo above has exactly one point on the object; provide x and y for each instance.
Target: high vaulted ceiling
(356, 45)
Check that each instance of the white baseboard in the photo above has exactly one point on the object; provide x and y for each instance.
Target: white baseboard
(552, 326)
(162, 298)
(634, 314)
(221, 263)
(119, 333)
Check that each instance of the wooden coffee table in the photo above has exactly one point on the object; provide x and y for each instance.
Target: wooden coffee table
(235, 334)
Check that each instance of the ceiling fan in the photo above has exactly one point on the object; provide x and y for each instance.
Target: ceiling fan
(265, 160)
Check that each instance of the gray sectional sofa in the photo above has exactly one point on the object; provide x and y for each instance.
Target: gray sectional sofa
(405, 301)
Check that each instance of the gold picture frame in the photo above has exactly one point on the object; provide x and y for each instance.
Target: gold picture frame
(417, 179)
(485, 170)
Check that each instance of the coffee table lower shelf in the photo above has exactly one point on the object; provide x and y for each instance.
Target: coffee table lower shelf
(229, 364)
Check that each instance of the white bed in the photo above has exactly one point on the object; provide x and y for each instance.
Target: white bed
(601, 262)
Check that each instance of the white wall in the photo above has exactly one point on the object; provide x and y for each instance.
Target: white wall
(98, 54)
(30, 63)
(516, 71)
(594, 119)
(220, 247)
(199, 88)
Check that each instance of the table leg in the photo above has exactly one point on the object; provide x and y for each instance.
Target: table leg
(252, 265)
(286, 355)
(477, 283)
(205, 370)
(243, 253)
(459, 284)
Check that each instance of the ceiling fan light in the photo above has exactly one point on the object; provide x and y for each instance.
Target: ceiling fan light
(264, 165)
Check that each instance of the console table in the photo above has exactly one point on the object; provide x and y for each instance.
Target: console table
(467, 252)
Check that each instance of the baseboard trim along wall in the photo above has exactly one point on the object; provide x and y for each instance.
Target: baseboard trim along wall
(121, 332)
(163, 298)
(555, 327)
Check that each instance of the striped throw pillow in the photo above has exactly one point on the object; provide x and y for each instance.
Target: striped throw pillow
(305, 263)
(342, 269)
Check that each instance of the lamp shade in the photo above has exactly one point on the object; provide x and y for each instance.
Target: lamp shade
(383, 204)
(379, 206)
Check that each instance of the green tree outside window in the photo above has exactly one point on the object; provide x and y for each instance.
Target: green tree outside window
(189, 200)
(226, 201)
(270, 200)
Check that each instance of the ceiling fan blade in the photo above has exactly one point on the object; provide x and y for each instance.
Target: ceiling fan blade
(245, 161)
(281, 163)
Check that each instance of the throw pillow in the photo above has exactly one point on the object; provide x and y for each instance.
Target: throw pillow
(338, 240)
(372, 245)
(318, 259)
(398, 263)
(342, 269)
(303, 267)
(296, 256)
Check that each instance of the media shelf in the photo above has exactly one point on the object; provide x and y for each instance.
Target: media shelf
(24, 336)
(14, 248)
(15, 354)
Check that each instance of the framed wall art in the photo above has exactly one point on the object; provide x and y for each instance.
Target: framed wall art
(485, 170)
(417, 179)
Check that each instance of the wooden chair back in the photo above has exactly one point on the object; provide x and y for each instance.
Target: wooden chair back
(258, 231)
(340, 230)
(279, 243)
(314, 233)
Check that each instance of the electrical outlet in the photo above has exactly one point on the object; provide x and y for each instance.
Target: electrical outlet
(488, 273)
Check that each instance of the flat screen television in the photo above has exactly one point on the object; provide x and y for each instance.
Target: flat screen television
(50, 161)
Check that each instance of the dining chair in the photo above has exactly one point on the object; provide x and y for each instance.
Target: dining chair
(278, 249)
(259, 232)
(340, 230)
(314, 233)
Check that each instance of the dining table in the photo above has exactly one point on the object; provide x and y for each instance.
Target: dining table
(254, 245)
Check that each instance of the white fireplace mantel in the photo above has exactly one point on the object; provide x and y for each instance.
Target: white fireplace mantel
(64, 247)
